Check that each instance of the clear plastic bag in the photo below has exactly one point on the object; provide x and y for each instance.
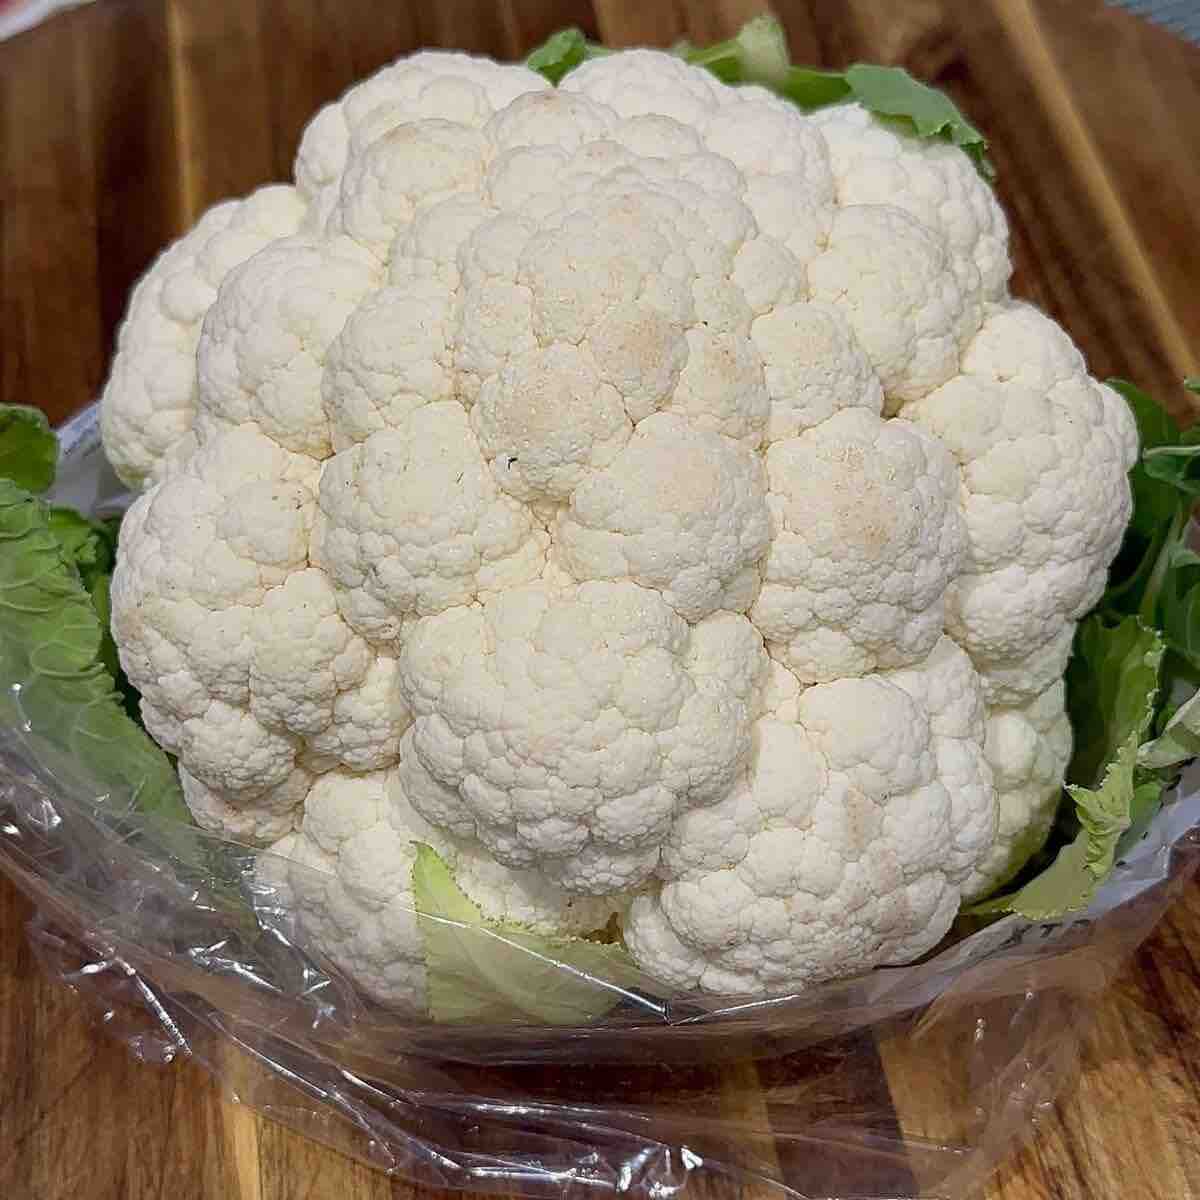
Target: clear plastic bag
(911, 1081)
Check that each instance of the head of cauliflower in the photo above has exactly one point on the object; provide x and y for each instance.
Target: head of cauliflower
(641, 490)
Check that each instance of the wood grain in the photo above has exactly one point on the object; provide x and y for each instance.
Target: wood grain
(120, 122)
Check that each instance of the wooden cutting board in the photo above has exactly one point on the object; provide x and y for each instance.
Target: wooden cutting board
(122, 121)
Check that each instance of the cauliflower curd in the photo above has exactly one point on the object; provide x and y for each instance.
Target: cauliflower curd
(644, 493)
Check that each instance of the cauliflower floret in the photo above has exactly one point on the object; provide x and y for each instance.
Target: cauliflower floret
(347, 877)
(234, 643)
(548, 421)
(1028, 748)
(681, 510)
(260, 816)
(867, 537)
(393, 354)
(202, 551)
(894, 281)
(570, 727)
(553, 119)
(432, 85)
(305, 655)
(615, 246)
(1043, 456)
(814, 367)
(845, 845)
(262, 350)
(723, 387)
(366, 721)
(412, 167)
(413, 522)
(149, 402)
(640, 82)
(642, 491)
(947, 686)
(428, 249)
(761, 137)
(876, 163)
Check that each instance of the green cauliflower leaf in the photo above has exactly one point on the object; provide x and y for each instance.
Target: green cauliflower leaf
(28, 447)
(52, 659)
(485, 971)
(1112, 684)
(561, 53)
(1073, 878)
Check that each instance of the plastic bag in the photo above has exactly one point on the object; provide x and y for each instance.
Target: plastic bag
(911, 1081)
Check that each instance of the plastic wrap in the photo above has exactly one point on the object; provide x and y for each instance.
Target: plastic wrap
(911, 1081)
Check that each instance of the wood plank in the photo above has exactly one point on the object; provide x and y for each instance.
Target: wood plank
(1108, 183)
(629, 23)
(322, 48)
(1141, 1041)
(1130, 1125)
(1143, 184)
(45, 171)
(78, 122)
(219, 68)
(78, 1115)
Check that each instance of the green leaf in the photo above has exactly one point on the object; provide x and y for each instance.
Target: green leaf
(1147, 802)
(893, 92)
(1105, 812)
(1154, 530)
(1062, 887)
(88, 544)
(490, 971)
(758, 54)
(1132, 682)
(1179, 605)
(1159, 513)
(561, 53)
(1154, 573)
(28, 447)
(91, 547)
(1179, 741)
(52, 663)
(1112, 685)
(810, 89)
(1192, 383)
(1154, 424)
(1112, 692)
(1072, 879)
(1177, 465)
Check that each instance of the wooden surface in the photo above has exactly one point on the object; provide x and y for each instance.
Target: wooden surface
(120, 122)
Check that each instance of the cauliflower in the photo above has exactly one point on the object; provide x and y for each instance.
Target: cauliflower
(640, 491)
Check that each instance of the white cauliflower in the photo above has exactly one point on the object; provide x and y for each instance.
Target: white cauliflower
(149, 402)
(641, 491)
